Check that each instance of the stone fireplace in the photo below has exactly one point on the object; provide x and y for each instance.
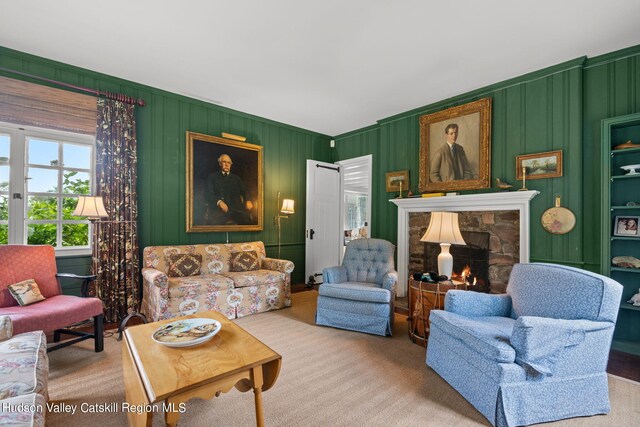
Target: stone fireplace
(504, 215)
(493, 246)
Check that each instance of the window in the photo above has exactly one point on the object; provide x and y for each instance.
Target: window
(356, 197)
(42, 173)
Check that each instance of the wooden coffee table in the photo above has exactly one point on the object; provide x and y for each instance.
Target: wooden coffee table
(155, 373)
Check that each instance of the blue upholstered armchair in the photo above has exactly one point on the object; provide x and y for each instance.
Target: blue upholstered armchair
(359, 295)
(535, 354)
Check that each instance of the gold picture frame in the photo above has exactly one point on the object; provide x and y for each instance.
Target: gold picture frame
(393, 180)
(209, 192)
(540, 165)
(466, 166)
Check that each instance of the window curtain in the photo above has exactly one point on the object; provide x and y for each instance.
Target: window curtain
(115, 249)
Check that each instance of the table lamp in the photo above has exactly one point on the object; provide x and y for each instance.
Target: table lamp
(443, 228)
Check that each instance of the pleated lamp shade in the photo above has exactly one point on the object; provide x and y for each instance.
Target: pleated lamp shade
(443, 228)
(287, 207)
(91, 207)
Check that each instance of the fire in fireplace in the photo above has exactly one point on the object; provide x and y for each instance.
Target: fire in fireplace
(470, 262)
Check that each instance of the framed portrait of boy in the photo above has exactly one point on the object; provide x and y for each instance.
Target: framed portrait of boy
(455, 148)
(224, 184)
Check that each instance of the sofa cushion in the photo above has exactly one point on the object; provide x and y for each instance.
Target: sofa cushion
(256, 278)
(52, 313)
(244, 261)
(26, 292)
(182, 265)
(24, 365)
(193, 294)
(196, 286)
(356, 291)
(257, 246)
(487, 335)
(18, 412)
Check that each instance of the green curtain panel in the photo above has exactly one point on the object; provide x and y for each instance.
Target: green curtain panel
(115, 252)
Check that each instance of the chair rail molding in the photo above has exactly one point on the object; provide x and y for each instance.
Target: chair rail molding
(504, 201)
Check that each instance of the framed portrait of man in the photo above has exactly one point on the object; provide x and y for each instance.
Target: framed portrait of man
(224, 184)
(455, 148)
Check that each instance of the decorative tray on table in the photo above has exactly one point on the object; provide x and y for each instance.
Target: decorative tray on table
(187, 332)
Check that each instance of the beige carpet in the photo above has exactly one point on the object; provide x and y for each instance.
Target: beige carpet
(329, 377)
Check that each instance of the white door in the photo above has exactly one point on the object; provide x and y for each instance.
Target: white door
(324, 230)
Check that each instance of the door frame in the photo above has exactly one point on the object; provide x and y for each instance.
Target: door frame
(368, 161)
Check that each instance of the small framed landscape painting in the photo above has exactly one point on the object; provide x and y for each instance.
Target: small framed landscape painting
(540, 165)
(397, 181)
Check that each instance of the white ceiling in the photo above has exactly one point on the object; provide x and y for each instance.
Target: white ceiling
(330, 66)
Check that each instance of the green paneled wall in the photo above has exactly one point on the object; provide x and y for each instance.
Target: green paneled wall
(76, 265)
(161, 127)
(558, 108)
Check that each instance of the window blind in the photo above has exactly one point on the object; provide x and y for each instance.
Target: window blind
(31, 104)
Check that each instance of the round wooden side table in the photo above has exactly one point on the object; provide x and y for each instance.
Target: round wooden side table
(424, 297)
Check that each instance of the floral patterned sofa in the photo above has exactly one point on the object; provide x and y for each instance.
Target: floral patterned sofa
(217, 283)
(24, 368)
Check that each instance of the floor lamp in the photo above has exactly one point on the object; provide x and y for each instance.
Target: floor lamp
(443, 228)
(287, 209)
(91, 207)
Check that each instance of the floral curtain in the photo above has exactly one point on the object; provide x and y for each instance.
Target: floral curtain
(115, 251)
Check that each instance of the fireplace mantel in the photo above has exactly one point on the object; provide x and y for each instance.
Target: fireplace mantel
(503, 201)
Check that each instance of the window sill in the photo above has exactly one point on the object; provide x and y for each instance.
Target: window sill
(75, 252)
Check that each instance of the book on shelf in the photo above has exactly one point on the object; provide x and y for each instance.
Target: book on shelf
(432, 194)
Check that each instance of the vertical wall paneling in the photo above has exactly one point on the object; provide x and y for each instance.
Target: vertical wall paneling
(558, 108)
(161, 127)
(535, 113)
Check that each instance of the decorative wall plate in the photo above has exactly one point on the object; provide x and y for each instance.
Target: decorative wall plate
(558, 220)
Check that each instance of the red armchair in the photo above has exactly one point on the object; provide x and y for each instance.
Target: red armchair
(57, 311)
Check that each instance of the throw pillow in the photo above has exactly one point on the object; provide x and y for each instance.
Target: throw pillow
(183, 265)
(244, 261)
(26, 292)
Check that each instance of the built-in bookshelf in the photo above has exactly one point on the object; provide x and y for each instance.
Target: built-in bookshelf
(620, 203)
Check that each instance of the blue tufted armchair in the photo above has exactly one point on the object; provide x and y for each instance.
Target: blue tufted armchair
(535, 354)
(359, 295)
